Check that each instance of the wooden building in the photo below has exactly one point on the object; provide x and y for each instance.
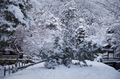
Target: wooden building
(110, 50)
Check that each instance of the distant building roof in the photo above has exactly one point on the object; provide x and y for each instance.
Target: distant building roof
(9, 49)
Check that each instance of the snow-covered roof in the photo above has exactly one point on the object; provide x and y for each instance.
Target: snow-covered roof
(9, 49)
(105, 44)
(80, 27)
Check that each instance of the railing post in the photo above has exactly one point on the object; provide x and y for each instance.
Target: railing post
(16, 66)
(22, 65)
(9, 70)
(12, 69)
(19, 64)
(24, 62)
(4, 71)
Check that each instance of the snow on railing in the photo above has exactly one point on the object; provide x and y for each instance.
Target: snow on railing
(18, 66)
(14, 67)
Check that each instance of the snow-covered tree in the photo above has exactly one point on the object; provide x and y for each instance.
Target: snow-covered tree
(113, 37)
(88, 50)
(95, 14)
(69, 18)
(79, 35)
(58, 55)
(53, 58)
(57, 46)
(16, 40)
(12, 14)
(41, 37)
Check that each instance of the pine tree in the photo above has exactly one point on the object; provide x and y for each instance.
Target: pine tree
(69, 18)
(58, 56)
(113, 36)
(87, 50)
(54, 57)
(57, 47)
(12, 14)
(79, 35)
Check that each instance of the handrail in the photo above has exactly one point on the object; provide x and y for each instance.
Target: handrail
(111, 58)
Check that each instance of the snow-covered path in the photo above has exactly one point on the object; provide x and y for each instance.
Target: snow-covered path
(97, 71)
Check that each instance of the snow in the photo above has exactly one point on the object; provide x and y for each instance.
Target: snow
(35, 2)
(4, 37)
(80, 27)
(99, 58)
(1, 71)
(96, 71)
(16, 11)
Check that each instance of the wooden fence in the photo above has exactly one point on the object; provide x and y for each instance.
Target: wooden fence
(14, 68)
(18, 66)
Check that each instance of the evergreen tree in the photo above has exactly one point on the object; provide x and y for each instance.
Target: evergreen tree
(69, 18)
(87, 50)
(54, 55)
(67, 56)
(79, 35)
(58, 56)
(12, 14)
(113, 36)
(57, 47)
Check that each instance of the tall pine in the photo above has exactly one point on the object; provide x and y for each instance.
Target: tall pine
(13, 13)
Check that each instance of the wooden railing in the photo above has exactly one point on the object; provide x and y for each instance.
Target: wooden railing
(111, 58)
(18, 66)
(13, 68)
(13, 61)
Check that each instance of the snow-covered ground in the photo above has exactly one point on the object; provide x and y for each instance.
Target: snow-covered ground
(96, 71)
(1, 71)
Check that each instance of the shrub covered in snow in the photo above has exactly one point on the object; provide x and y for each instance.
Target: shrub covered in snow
(99, 59)
(50, 64)
(57, 59)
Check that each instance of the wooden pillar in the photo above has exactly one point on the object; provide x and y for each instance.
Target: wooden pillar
(12, 69)
(108, 55)
(9, 70)
(19, 64)
(24, 62)
(16, 66)
(113, 53)
(4, 71)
